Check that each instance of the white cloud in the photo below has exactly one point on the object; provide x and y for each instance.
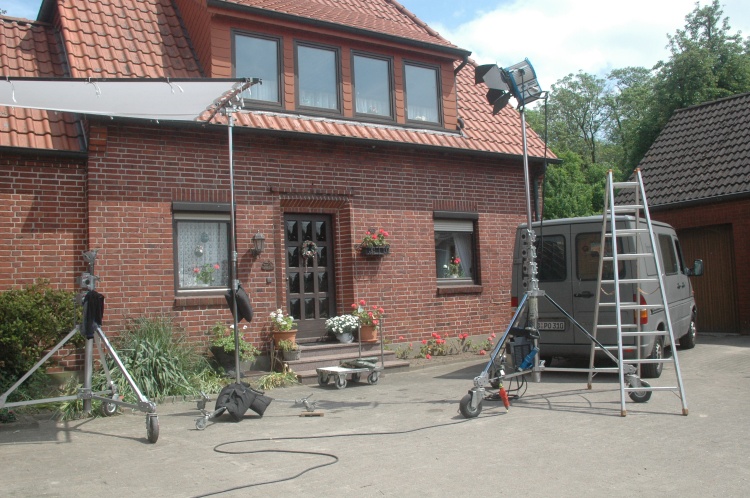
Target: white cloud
(560, 37)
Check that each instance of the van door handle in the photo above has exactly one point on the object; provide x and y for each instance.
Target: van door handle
(584, 294)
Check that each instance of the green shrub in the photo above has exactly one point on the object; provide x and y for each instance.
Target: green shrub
(160, 361)
(31, 320)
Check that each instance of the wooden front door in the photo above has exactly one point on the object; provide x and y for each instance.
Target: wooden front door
(308, 240)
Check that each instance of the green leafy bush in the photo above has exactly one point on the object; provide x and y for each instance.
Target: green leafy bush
(160, 361)
(31, 320)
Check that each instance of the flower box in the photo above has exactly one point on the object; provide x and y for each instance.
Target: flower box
(376, 251)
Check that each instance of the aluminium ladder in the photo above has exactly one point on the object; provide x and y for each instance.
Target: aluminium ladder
(611, 286)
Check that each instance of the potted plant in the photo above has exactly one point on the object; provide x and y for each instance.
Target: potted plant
(375, 243)
(283, 327)
(222, 347)
(343, 327)
(289, 350)
(369, 320)
(453, 268)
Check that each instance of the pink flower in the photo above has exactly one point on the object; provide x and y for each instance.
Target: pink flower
(492, 335)
(429, 357)
(424, 341)
(196, 270)
(362, 302)
(354, 305)
(483, 352)
(400, 338)
(375, 321)
(216, 267)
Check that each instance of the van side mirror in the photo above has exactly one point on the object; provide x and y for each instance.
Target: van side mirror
(697, 269)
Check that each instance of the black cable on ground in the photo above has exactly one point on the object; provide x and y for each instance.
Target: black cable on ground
(335, 459)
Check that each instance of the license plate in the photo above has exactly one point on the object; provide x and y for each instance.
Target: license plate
(554, 325)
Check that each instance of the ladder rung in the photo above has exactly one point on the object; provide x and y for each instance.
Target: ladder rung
(622, 325)
(631, 280)
(633, 306)
(627, 231)
(643, 333)
(624, 184)
(626, 208)
(630, 256)
(643, 388)
(647, 360)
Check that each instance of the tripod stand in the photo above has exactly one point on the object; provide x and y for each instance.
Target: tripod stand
(90, 327)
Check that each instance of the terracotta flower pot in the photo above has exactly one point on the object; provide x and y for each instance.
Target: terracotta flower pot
(278, 335)
(368, 333)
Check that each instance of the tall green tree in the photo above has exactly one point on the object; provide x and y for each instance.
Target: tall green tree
(707, 62)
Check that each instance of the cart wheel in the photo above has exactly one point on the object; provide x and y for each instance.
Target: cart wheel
(640, 396)
(200, 423)
(373, 378)
(340, 381)
(465, 407)
(355, 377)
(108, 409)
(152, 427)
(322, 379)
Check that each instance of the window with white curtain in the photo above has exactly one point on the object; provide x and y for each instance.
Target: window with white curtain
(258, 57)
(422, 103)
(201, 248)
(317, 77)
(372, 86)
(455, 253)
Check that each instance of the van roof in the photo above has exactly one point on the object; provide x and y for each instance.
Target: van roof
(588, 219)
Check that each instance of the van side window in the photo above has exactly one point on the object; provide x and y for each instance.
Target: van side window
(680, 260)
(550, 258)
(588, 247)
(668, 256)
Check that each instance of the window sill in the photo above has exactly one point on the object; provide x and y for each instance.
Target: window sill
(203, 299)
(468, 288)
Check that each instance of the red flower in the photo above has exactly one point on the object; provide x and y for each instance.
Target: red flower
(354, 305)
(362, 302)
(424, 341)
(400, 338)
(429, 357)
(483, 352)
(216, 267)
(375, 321)
(196, 270)
(492, 335)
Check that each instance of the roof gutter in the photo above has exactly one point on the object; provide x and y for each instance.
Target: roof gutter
(453, 51)
(701, 201)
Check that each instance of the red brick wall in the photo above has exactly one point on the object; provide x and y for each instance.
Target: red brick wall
(138, 174)
(735, 213)
(43, 227)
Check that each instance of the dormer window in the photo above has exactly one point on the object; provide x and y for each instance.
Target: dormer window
(258, 57)
(318, 77)
(422, 102)
(372, 86)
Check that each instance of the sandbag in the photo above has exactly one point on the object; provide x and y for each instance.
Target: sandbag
(244, 308)
(238, 398)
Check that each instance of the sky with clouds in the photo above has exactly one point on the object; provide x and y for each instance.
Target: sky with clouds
(559, 37)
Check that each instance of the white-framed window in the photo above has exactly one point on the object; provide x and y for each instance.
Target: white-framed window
(317, 77)
(455, 251)
(422, 93)
(372, 77)
(201, 247)
(258, 57)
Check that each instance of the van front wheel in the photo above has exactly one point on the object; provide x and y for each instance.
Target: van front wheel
(653, 370)
(687, 341)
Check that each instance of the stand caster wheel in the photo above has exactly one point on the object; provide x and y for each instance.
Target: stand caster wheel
(200, 423)
(108, 409)
(152, 427)
(372, 379)
(341, 382)
(322, 379)
(640, 396)
(465, 407)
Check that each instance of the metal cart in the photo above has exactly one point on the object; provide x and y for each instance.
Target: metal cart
(354, 369)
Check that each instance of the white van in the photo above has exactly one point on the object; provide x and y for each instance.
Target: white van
(568, 265)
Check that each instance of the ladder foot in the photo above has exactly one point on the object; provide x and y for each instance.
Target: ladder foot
(685, 411)
(623, 413)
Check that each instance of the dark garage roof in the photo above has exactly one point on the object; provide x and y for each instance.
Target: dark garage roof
(701, 155)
